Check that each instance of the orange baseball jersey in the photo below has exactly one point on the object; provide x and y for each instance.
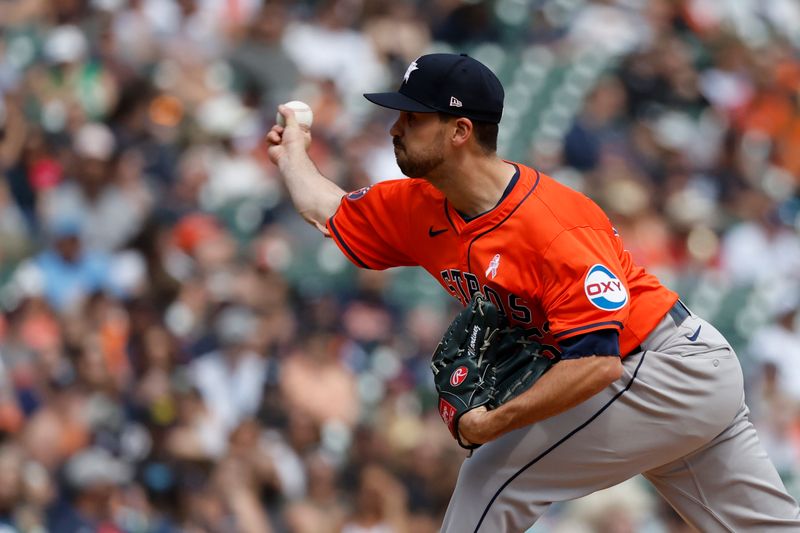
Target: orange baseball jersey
(546, 255)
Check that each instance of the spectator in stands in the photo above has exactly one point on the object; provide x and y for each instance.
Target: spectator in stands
(231, 378)
(110, 211)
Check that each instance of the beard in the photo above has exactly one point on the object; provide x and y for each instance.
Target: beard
(420, 164)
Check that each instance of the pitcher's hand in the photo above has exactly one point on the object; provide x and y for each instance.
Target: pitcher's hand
(472, 426)
(283, 140)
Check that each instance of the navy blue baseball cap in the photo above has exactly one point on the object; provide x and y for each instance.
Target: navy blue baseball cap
(455, 84)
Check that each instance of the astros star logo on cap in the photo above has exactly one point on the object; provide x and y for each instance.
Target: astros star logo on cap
(411, 68)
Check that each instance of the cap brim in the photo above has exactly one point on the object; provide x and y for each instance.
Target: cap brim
(399, 102)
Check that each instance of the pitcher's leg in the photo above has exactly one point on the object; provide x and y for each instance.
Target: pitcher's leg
(644, 420)
(508, 483)
(712, 496)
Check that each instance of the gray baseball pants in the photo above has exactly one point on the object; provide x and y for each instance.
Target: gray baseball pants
(677, 416)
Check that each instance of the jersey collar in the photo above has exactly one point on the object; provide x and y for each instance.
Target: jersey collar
(507, 190)
(523, 182)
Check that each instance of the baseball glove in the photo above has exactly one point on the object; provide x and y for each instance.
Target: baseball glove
(479, 364)
(519, 363)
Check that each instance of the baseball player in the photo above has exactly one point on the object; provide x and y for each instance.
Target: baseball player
(642, 386)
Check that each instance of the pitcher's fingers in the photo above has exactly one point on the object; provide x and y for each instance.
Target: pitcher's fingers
(288, 115)
(273, 137)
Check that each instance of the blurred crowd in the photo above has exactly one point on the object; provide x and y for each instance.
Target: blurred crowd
(180, 352)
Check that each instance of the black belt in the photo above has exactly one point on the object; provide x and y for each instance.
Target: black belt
(678, 312)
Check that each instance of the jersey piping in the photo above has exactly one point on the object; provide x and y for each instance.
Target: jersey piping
(527, 195)
(596, 325)
(341, 241)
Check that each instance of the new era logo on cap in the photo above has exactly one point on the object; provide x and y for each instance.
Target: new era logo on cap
(430, 82)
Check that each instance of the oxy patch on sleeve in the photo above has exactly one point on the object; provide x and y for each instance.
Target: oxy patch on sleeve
(604, 289)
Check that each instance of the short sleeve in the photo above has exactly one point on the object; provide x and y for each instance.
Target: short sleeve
(371, 226)
(583, 284)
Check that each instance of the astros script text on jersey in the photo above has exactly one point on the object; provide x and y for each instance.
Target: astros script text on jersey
(546, 255)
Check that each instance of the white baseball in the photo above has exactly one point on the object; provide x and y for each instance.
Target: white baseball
(302, 112)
